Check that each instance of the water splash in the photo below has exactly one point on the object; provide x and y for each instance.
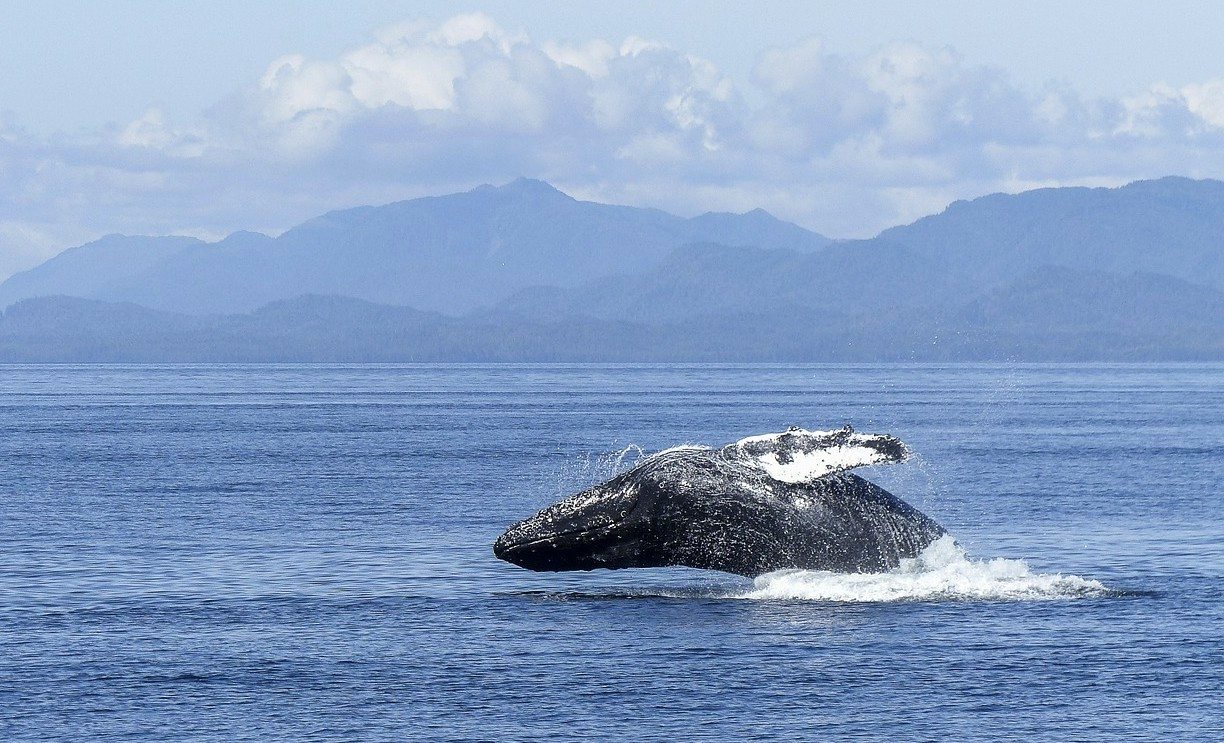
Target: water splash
(615, 463)
(584, 471)
(941, 572)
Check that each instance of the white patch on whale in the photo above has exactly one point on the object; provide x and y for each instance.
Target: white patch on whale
(798, 455)
(807, 466)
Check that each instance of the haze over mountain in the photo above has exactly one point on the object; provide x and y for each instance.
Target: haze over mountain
(1130, 273)
(448, 253)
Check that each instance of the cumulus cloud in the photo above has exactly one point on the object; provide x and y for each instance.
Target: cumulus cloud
(844, 144)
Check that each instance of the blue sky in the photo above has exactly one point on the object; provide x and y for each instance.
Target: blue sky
(203, 118)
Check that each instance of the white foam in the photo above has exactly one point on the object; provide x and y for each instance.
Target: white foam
(941, 572)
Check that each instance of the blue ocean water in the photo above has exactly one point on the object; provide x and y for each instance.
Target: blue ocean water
(303, 553)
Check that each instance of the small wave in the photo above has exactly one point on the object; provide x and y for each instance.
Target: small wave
(940, 572)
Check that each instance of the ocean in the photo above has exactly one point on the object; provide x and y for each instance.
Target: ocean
(303, 552)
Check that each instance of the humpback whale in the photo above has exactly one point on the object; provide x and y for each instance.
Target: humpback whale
(764, 503)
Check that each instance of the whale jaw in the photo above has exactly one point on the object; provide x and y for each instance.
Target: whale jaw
(597, 528)
(570, 551)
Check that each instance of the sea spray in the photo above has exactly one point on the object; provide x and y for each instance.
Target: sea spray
(940, 572)
(588, 469)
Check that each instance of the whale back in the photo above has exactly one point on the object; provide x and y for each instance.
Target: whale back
(712, 513)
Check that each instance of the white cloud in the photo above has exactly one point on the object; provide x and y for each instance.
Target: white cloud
(1206, 101)
(475, 27)
(293, 86)
(1163, 111)
(412, 77)
(592, 57)
(844, 144)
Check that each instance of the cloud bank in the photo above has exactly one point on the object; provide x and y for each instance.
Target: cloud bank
(846, 145)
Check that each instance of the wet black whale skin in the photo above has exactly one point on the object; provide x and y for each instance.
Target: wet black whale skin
(697, 508)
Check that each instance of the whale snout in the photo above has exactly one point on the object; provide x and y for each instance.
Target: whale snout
(594, 529)
(545, 552)
(527, 545)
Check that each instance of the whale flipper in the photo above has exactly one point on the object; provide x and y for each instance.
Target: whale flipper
(800, 456)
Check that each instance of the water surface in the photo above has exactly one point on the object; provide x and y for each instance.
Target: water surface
(303, 552)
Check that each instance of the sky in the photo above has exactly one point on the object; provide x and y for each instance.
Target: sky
(204, 118)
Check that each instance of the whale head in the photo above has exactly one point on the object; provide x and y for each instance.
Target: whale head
(606, 526)
(685, 506)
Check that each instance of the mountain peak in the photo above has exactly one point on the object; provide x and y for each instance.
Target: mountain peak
(756, 214)
(1178, 185)
(244, 238)
(524, 187)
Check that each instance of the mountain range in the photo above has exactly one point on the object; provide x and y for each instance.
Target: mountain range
(525, 272)
(451, 253)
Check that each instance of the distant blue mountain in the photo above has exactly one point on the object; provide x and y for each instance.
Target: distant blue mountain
(96, 268)
(449, 253)
(525, 273)
(1172, 227)
(1051, 314)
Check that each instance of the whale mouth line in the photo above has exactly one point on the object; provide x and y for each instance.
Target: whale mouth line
(576, 535)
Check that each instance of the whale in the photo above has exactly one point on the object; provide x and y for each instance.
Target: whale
(767, 502)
